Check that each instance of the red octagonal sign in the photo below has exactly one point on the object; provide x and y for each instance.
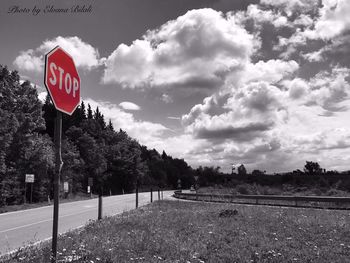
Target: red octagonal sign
(62, 80)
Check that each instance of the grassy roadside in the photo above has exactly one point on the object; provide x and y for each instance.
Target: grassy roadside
(255, 189)
(172, 231)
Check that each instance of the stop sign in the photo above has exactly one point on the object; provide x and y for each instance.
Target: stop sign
(62, 80)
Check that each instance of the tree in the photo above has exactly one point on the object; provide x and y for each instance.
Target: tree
(89, 112)
(241, 170)
(49, 116)
(21, 121)
(82, 111)
(312, 168)
(110, 126)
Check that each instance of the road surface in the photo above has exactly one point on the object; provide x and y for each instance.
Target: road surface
(21, 228)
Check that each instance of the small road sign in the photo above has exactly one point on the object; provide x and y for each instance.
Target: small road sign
(29, 178)
(62, 80)
(90, 181)
(66, 187)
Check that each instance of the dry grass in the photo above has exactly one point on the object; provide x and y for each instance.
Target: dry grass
(174, 231)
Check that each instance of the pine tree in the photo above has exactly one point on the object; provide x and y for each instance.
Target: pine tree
(110, 126)
(89, 112)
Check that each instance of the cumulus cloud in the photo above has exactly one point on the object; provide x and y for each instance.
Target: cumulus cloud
(250, 111)
(330, 25)
(268, 118)
(29, 61)
(334, 19)
(144, 131)
(271, 71)
(260, 16)
(197, 49)
(291, 6)
(127, 105)
(85, 56)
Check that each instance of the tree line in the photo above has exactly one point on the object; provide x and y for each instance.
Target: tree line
(91, 147)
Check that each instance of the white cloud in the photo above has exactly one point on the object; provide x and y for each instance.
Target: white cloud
(42, 96)
(85, 56)
(272, 120)
(334, 19)
(127, 105)
(144, 131)
(290, 6)
(330, 25)
(28, 61)
(196, 50)
(166, 98)
(271, 71)
(261, 16)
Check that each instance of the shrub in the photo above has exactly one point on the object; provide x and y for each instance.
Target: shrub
(242, 189)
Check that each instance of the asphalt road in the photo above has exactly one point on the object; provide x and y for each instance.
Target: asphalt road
(26, 227)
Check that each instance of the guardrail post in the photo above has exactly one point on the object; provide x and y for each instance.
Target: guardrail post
(137, 197)
(151, 196)
(158, 194)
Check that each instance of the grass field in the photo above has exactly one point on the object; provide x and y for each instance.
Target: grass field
(175, 231)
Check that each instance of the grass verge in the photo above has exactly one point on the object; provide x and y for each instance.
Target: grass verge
(174, 231)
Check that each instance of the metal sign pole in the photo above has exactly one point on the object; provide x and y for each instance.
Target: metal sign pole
(56, 183)
(25, 192)
(31, 193)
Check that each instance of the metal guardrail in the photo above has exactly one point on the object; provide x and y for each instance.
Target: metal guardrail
(277, 200)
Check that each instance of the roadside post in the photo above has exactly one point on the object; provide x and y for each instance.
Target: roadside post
(29, 179)
(137, 181)
(62, 82)
(196, 185)
(90, 185)
(137, 192)
(151, 196)
(66, 189)
(179, 185)
(158, 194)
(99, 206)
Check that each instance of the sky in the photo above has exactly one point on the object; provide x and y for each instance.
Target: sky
(263, 83)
